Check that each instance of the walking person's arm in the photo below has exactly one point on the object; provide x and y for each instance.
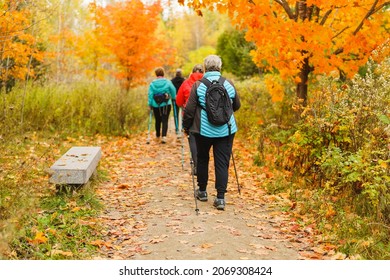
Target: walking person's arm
(190, 109)
(236, 99)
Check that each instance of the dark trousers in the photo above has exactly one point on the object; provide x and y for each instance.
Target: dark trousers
(161, 115)
(193, 150)
(222, 150)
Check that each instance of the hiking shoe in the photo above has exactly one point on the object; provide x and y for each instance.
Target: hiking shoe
(164, 140)
(219, 203)
(201, 195)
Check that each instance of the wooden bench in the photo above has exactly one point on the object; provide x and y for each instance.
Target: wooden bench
(76, 166)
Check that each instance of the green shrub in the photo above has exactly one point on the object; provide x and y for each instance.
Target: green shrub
(334, 157)
(343, 139)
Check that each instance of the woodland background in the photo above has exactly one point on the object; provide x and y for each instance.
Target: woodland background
(313, 77)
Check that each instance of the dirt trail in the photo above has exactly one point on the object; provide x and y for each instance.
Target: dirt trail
(150, 210)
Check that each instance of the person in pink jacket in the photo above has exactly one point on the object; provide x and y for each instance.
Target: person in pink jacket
(181, 101)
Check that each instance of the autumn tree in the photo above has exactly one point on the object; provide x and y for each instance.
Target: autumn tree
(127, 29)
(299, 38)
(18, 46)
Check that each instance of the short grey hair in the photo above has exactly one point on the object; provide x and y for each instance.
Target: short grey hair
(212, 63)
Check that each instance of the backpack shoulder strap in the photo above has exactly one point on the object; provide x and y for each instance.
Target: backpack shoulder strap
(206, 82)
(221, 80)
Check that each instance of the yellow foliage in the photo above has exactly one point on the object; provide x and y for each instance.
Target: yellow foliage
(39, 238)
(274, 87)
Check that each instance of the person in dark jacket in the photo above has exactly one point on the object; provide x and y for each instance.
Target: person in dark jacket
(181, 99)
(208, 135)
(162, 110)
(177, 81)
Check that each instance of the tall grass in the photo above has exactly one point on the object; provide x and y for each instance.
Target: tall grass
(79, 108)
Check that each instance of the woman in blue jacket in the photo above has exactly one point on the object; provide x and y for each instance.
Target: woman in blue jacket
(208, 135)
(160, 95)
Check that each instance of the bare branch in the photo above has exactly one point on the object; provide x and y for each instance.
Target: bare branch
(372, 11)
(381, 7)
(326, 17)
(286, 7)
(345, 28)
(338, 51)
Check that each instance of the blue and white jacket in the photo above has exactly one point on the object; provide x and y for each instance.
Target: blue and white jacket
(195, 118)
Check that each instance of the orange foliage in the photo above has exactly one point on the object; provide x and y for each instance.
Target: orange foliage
(333, 34)
(128, 31)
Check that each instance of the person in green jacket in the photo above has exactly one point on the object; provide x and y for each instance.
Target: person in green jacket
(160, 95)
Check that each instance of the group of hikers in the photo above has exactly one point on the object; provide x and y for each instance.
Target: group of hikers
(203, 132)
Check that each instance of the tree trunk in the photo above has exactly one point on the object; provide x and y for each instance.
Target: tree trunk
(302, 85)
(302, 14)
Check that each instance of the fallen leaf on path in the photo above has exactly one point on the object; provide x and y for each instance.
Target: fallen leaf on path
(207, 245)
(272, 248)
(100, 243)
(123, 186)
(145, 252)
(39, 238)
(310, 255)
(257, 246)
(155, 241)
(339, 256)
(60, 252)
(319, 250)
(260, 252)
(243, 251)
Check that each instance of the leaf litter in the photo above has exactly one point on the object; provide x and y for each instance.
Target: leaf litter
(150, 209)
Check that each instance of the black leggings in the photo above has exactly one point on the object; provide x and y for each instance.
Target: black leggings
(161, 116)
(222, 150)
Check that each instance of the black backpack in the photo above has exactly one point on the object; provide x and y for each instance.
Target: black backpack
(160, 97)
(219, 107)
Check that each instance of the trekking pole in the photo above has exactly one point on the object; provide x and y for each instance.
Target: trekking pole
(193, 179)
(149, 124)
(235, 170)
(175, 116)
(182, 153)
(182, 142)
